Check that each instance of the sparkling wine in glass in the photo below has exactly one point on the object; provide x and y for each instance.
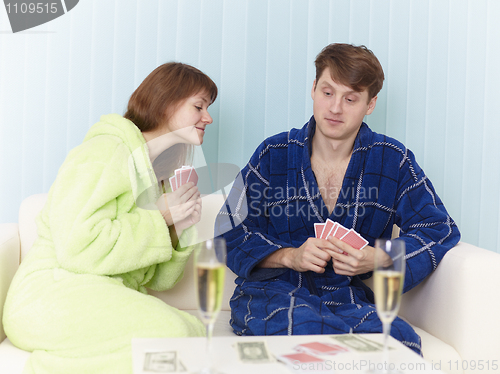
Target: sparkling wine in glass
(210, 270)
(389, 274)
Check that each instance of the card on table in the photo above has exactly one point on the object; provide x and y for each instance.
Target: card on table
(299, 358)
(320, 348)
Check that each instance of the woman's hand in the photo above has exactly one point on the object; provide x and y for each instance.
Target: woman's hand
(181, 206)
(191, 219)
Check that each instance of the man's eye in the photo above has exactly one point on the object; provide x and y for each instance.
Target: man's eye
(328, 93)
(198, 107)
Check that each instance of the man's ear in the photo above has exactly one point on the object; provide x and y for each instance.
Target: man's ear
(313, 89)
(371, 105)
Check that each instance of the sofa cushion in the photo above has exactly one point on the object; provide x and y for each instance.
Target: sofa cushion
(29, 210)
(221, 325)
(438, 353)
(12, 359)
(183, 295)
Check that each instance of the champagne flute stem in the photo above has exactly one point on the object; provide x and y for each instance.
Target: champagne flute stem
(210, 328)
(386, 330)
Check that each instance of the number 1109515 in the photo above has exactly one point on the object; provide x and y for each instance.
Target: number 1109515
(31, 8)
(473, 365)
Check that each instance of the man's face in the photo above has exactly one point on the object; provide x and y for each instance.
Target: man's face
(338, 109)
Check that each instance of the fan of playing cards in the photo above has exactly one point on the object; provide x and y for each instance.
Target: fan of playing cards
(182, 176)
(335, 229)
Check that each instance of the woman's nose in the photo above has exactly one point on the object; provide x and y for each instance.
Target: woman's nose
(207, 118)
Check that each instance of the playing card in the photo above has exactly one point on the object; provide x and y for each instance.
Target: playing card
(184, 175)
(328, 226)
(319, 348)
(340, 231)
(193, 177)
(354, 239)
(332, 230)
(318, 229)
(299, 358)
(173, 183)
(177, 173)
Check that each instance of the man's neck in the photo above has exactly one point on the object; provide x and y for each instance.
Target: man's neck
(328, 150)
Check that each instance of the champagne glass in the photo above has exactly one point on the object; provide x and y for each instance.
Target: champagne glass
(389, 274)
(210, 270)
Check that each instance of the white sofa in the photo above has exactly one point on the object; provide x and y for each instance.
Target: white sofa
(453, 310)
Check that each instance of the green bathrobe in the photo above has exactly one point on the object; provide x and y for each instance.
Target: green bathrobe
(79, 296)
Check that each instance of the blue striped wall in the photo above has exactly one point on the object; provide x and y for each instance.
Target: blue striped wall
(441, 60)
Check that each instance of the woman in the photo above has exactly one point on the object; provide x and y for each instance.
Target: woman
(79, 296)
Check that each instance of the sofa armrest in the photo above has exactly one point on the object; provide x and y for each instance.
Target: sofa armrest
(10, 252)
(459, 303)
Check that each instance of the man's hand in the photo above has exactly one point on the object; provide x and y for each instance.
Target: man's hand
(313, 255)
(351, 261)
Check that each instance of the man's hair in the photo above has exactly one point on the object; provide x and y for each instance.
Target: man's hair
(353, 66)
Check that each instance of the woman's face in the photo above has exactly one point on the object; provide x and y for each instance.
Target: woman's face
(191, 118)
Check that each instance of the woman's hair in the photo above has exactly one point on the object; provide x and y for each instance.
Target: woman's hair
(157, 98)
(353, 66)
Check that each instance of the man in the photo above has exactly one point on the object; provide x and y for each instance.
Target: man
(291, 282)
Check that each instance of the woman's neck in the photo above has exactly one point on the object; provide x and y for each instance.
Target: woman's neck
(158, 142)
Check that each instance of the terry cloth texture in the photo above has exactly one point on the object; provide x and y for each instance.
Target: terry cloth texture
(280, 197)
(79, 296)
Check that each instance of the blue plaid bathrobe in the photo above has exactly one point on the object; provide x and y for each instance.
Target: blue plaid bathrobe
(275, 205)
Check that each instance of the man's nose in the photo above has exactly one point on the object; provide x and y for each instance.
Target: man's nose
(336, 105)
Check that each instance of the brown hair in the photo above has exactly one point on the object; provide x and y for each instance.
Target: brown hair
(157, 97)
(156, 100)
(353, 66)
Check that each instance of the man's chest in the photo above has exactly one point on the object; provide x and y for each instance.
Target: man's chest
(330, 179)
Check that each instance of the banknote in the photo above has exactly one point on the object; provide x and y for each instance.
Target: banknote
(357, 343)
(163, 362)
(254, 352)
